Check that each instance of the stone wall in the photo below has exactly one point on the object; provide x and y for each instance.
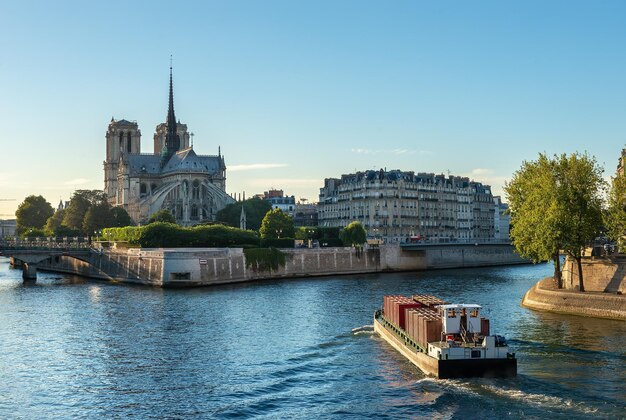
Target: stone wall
(200, 267)
(600, 274)
(544, 297)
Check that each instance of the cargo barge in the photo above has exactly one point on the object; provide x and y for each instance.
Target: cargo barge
(444, 340)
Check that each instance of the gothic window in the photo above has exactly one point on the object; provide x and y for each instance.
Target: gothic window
(195, 192)
(143, 190)
(121, 141)
(128, 148)
(194, 212)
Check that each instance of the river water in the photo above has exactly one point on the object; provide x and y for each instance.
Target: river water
(71, 347)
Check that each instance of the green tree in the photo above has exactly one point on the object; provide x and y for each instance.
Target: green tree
(555, 205)
(615, 216)
(120, 217)
(255, 209)
(353, 235)
(580, 190)
(80, 203)
(33, 213)
(98, 216)
(162, 215)
(535, 213)
(54, 222)
(276, 224)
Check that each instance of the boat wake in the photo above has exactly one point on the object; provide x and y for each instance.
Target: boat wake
(540, 400)
(364, 330)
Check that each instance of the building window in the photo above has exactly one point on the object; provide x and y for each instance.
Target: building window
(195, 191)
(121, 141)
(194, 212)
(143, 190)
(153, 188)
(128, 148)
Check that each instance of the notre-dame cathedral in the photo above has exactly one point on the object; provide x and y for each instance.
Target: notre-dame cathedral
(173, 177)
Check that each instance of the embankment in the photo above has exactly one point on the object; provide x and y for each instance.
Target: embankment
(543, 296)
(202, 267)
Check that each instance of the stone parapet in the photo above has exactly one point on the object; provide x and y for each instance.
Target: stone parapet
(543, 296)
(600, 274)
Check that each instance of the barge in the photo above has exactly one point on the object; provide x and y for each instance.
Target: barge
(442, 339)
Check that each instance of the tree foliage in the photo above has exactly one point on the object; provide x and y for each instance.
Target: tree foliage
(276, 224)
(55, 227)
(555, 204)
(120, 217)
(80, 203)
(581, 187)
(615, 217)
(98, 216)
(353, 235)
(163, 216)
(255, 209)
(33, 213)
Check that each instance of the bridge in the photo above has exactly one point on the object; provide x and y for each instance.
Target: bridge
(28, 254)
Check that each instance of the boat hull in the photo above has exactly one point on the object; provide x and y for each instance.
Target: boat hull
(448, 369)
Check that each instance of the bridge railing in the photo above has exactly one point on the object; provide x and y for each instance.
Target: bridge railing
(45, 243)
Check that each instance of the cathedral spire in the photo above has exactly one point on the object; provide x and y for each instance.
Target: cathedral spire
(172, 140)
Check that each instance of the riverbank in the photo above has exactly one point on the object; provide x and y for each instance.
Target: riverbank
(544, 296)
(190, 267)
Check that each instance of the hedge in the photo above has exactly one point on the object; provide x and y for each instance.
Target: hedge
(169, 235)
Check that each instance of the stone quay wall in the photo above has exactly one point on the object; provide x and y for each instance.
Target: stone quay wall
(600, 274)
(207, 266)
(543, 296)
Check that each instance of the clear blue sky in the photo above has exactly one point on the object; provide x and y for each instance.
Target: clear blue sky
(296, 91)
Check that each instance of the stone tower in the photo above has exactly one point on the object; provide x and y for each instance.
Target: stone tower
(122, 138)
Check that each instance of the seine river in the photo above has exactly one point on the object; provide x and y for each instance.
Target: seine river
(71, 347)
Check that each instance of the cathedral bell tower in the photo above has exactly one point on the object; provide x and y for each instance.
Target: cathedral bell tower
(122, 138)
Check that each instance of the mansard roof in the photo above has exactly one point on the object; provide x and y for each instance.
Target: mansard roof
(188, 160)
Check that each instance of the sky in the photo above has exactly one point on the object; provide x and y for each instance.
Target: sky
(297, 91)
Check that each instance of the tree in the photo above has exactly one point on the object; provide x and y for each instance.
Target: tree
(276, 224)
(98, 216)
(535, 214)
(54, 222)
(615, 217)
(255, 209)
(33, 213)
(353, 235)
(120, 217)
(580, 189)
(555, 205)
(162, 215)
(80, 203)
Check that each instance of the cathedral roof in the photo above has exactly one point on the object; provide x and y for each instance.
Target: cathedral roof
(148, 164)
(187, 160)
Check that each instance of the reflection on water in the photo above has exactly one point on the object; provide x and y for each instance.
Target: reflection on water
(300, 348)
